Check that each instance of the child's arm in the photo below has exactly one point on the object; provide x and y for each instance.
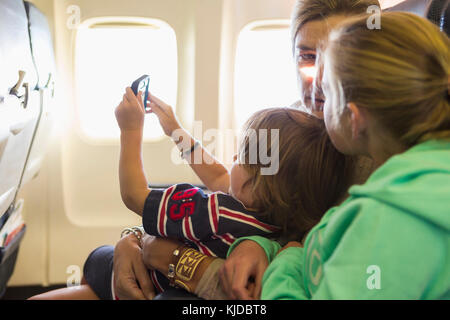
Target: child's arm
(212, 173)
(133, 183)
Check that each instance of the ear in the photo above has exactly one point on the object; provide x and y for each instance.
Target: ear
(357, 120)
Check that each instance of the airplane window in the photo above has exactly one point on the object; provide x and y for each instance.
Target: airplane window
(264, 70)
(109, 57)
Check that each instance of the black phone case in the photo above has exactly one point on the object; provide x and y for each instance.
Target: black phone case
(135, 85)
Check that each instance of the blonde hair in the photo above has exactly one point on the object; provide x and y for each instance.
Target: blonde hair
(312, 177)
(312, 10)
(400, 73)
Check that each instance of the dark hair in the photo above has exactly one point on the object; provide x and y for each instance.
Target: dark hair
(312, 10)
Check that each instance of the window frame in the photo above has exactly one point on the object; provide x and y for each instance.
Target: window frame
(105, 22)
(269, 24)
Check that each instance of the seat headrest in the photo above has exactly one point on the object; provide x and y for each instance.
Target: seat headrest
(437, 11)
(15, 52)
(41, 45)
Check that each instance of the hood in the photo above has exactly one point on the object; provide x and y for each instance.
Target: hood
(416, 182)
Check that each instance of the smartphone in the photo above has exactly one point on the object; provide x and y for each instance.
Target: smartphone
(142, 84)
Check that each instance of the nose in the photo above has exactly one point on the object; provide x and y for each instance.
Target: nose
(309, 72)
(317, 88)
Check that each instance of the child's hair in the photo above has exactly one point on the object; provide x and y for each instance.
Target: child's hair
(400, 73)
(312, 175)
(313, 10)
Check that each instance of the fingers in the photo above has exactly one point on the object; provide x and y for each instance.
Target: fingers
(258, 284)
(129, 99)
(234, 283)
(225, 275)
(155, 108)
(239, 286)
(158, 101)
(251, 289)
(139, 99)
(144, 281)
(130, 95)
(129, 290)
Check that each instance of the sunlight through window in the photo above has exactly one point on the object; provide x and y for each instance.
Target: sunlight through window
(264, 72)
(109, 58)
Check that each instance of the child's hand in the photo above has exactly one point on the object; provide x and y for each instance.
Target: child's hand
(165, 114)
(130, 113)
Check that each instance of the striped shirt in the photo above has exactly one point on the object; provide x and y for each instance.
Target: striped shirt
(209, 223)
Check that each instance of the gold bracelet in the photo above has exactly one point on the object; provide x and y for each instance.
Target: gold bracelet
(186, 267)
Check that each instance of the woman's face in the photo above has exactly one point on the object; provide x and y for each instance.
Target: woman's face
(307, 42)
(338, 126)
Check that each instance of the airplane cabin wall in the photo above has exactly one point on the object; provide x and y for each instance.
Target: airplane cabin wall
(74, 205)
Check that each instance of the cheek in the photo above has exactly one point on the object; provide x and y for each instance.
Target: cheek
(332, 126)
(339, 134)
(235, 177)
(304, 84)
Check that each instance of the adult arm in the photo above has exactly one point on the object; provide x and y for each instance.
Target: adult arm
(158, 254)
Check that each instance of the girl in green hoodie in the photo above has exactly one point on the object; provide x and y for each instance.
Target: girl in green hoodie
(387, 97)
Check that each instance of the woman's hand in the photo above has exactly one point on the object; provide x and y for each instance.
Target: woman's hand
(131, 278)
(158, 253)
(130, 113)
(165, 114)
(241, 275)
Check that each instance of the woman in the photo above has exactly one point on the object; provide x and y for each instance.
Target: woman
(312, 21)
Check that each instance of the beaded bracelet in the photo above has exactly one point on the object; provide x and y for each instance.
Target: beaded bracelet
(137, 231)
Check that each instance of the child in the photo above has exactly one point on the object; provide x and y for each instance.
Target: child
(312, 176)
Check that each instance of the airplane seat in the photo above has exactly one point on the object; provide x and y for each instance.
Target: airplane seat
(437, 11)
(19, 113)
(41, 43)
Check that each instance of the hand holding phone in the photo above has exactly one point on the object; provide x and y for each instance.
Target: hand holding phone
(142, 84)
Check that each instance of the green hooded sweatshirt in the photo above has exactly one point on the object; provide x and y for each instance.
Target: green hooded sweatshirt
(389, 240)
